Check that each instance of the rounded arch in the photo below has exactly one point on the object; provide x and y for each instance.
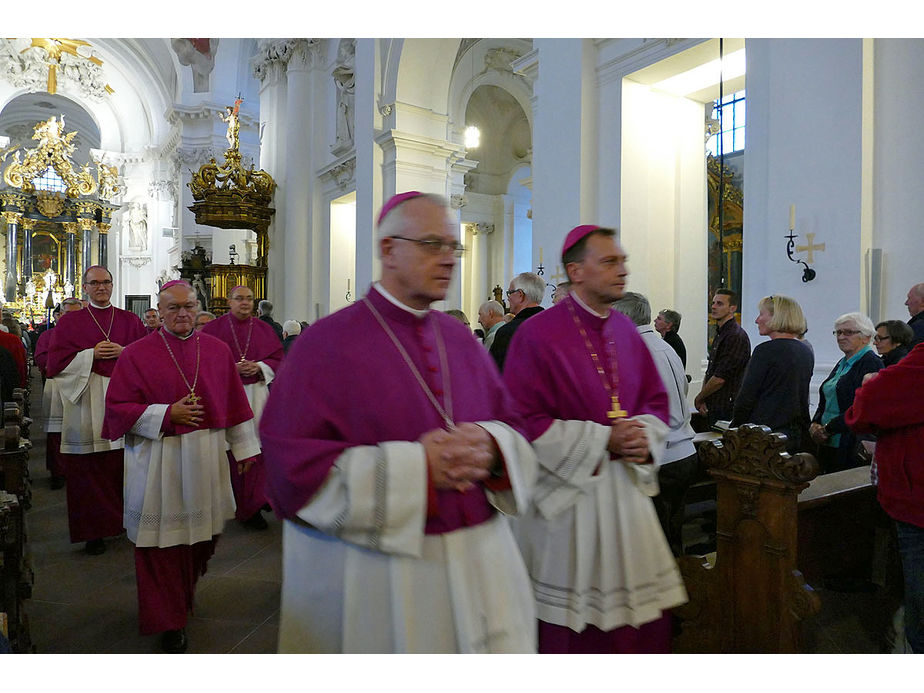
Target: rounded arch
(418, 72)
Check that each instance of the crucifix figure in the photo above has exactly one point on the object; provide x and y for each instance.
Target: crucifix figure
(811, 247)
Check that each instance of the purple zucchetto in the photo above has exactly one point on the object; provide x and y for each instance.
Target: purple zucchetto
(575, 235)
(395, 201)
(175, 282)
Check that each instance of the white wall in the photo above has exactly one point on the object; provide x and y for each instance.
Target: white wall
(342, 252)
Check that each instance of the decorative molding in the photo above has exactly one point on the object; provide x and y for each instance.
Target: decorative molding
(343, 173)
(457, 201)
(136, 261)
(386, 109)
(39, 65)
(166, 189)
(483, 228)
(501, 59)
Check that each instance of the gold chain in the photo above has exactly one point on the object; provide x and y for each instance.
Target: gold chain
(111, 321)
(193, 397)
(612, 389)
(237, 343)
(445, 413)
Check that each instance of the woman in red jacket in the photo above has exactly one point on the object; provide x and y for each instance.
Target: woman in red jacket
(889, 404)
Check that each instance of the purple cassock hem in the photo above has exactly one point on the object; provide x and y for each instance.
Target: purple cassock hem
(94, 495)
(653, 637)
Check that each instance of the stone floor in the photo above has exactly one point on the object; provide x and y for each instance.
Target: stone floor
(85, 604)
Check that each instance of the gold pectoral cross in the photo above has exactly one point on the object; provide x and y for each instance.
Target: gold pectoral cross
(194, 398)
(616, 412)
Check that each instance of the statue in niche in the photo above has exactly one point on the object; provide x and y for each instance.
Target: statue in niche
(345, 79)
(138, 227)
(202, 292)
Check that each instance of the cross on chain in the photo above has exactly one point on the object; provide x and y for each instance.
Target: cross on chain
(811, 247)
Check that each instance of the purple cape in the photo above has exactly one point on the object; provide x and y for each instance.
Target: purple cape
(76, 331)
(264, 344)
(146, 374)
(344, 384)
(551, 375)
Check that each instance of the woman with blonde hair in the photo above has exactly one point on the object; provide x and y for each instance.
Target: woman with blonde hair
(775, 388)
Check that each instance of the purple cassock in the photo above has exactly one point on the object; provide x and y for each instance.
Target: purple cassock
(94, 469)
(344, 384)
(554, 380)
(250, 340)
(54, 463)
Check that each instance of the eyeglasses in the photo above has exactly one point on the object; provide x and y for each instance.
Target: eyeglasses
(880, 338)
(513, 291)
(99, 282)
(434, 246)
(845, 333)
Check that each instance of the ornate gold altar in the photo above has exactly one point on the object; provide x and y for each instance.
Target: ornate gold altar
(726, 225)
(229, 196)
(53, 212)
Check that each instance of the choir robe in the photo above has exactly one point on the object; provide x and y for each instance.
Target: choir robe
(374, 558)
(595, 550)
(93, 464)
(265, 348)
(52, 407)
(177, 482)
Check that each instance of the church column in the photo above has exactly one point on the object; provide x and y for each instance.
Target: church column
(299, 290)
(103, 244)
(269, 67)
(11, 280)
(367, 119)
(70, 249)
(86, 243)
(27, 226)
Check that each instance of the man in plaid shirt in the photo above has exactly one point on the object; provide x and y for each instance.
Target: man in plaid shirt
(728, 358)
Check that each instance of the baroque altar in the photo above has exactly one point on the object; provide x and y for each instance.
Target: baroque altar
(55, 216)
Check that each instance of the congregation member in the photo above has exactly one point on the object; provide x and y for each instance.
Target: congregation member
(85, 346)
(389, 457)
(775, 388)
(265, 313)
(177, 426)
(524, 296)
(667, 325)
(202, 318)
(52, 404)
(893, 340)
(290, 330)
(14, 345)
(258, 352)
(596, 412)
(837, 444)
(680, 462)
(915, 305)
(152, 320)
(885, 407)
(561, 290)
(491, 319)
(728, 357)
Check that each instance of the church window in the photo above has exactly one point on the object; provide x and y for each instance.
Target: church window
(50, 180)
(732, 125)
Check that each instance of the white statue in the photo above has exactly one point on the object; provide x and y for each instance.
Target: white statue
(138, 227)
(345, 80)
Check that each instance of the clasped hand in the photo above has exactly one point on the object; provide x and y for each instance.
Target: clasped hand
(184, 413)
(459, 458)
(248, 368)
(107, 350)
(629, 441)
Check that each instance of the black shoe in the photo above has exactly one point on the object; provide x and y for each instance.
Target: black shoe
(257, 521)
(95, 547)
(56, 482)
(174, 641)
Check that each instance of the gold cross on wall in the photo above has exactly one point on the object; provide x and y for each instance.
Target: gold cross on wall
(559, 276)
(811, 247)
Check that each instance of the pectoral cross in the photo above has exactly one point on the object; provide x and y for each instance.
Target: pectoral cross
(616, 412)
(194, 398)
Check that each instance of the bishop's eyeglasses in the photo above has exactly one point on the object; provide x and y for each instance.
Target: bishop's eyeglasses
(435, 246)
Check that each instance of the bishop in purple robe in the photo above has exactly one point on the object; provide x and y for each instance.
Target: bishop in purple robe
(257, 352)
(390, 446)
(176, 398)
(596, 411)
(85, 346)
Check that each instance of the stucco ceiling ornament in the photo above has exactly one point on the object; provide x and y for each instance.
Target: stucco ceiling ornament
(42, 64)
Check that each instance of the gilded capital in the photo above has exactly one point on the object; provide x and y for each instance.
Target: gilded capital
(28, 224)
(86, 224)
(12, 217)
(69, 226)
(104, 228)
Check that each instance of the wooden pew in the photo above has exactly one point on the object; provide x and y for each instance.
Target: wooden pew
(752, 598)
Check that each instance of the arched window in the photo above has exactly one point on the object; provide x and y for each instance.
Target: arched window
(50, 180)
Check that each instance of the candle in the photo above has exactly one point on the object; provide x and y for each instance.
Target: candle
(540, 255)
(792, 217)
(348, 283)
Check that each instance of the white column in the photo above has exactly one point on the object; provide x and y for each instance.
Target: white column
(368, 172)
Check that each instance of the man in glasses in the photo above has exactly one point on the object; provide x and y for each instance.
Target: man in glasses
(524, 296)
(388, 446)
(85, 346)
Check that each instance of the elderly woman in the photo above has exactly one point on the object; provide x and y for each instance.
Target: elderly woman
(893, 340)
(775, 388)
(837, 444)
